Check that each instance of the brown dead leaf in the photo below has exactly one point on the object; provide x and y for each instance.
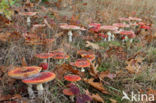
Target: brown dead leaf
(113, 100)
(93, 45)
(93, 70)
(24, 63)
(97, 98)
(8, 97)
(64, 68)
(107, 74)
(96, 85)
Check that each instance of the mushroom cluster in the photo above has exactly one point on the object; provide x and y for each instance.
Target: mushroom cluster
(31, 75)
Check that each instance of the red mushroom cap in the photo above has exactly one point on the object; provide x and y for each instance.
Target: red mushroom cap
(110, 28)
(121, 25)
(24, 72)
(93, 25)
(69, 27)
(103, 35)
(42, 77)
(82, 63)
(141, 23)
(126, 32)
(135, 19)
(146, 27)
(68, 92)
(44, 55)
(28, 13)
(59, 55)
(132, 35)
(72, 78)
(44, 66)
(124, 19)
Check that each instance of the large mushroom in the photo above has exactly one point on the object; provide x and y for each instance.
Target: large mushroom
(25, 72)
(28, 15)
(70, 28)
(39, 79)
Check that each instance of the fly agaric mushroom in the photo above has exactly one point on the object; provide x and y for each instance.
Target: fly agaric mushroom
(28, 15)
(70, 28)
(69, 93)
(121, 25)
(82, 63)
(126, 34)
(44, 56)
(108, 29)
(39, 79)
(94, 27)
(25, 72)
(124, 19)
(86, 54)
(72, 78)
(135, 19)
(60, 55)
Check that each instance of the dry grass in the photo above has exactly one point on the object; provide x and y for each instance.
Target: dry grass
(105, 12)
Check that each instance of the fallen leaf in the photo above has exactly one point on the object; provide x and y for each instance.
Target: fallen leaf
(107, 74)
(96, 85)
(113, 100)
(97, 98)
(93, 45)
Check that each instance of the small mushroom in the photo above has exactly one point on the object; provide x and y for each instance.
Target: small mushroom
(70, 28)
(82, 63)
(44, 56)
(69, 93)
(72, 78)
(39, 79)
(126, 34)
(28, 15)
(60, 55)
(86, 54)
(25, 72)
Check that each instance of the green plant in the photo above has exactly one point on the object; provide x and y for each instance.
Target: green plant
(5, 7)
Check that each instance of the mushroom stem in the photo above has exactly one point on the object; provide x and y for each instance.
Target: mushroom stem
(70, 35)
(72, 98)
(82, 70)
(45, 61)
(30, 91)
(109, 36)
(113, 37)
(131, 40)
(28, 21)
(40, 89)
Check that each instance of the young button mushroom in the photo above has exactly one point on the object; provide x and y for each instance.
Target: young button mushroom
(82, 63)
(25, 72)
(70, 28)
(42, 77)
(28, 15)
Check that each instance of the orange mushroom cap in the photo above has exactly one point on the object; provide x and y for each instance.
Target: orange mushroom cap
(82, 63)
(40, 78)
(44, 55)
(59, 55)
(24, 72)
(68, 92)
(72, 78)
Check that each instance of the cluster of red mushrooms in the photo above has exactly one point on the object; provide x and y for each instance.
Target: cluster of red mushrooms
(32, 74)
(126, 28)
